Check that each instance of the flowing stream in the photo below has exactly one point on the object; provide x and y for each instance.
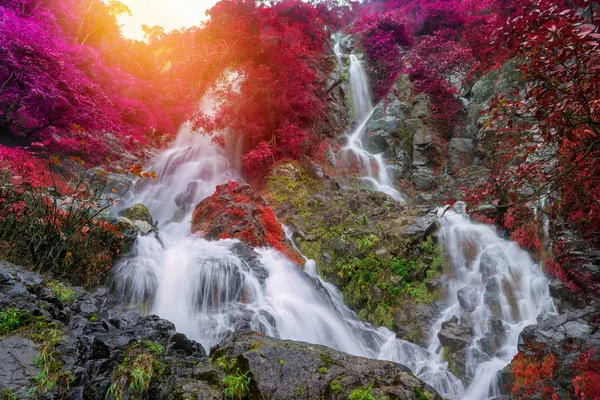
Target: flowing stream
(209, 289)
(376, 172)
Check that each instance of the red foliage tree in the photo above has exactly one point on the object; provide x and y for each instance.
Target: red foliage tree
(547, 135)
(270, 77)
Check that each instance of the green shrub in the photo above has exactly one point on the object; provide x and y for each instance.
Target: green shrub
(11, 319)
(237, 385)
(335, 386)
(364, 393)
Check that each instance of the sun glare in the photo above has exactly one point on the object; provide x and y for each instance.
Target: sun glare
(169, 14)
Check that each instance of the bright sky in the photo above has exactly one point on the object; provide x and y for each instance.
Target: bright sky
(170, 14)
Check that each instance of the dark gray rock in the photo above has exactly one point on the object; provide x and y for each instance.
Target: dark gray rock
(283, 369)
(18, 356)
(456, 338)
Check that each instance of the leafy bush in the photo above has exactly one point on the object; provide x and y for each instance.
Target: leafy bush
(53, 228)
(365, 393)
(11, 319)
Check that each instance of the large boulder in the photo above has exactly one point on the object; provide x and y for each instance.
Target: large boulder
(456, 339)
(235, 211)
(284, 369)
(139, 218)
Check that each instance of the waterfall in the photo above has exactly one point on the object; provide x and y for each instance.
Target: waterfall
(378, 177)
(501, 291)
(209, 289)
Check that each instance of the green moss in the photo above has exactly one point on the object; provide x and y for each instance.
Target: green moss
(335, 386)
(137, 212)
(154, 348)
(322, 370)
(93, 317)
(281, 362)
(226, 365)
(423, 395)
(447, 356)
(61, 292)
(326, 359)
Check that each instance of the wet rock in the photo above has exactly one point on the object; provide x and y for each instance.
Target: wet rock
(18, 356)
(467, 298)
(456, 339)
(282, 369)
(137, 212)
(139, 218)
(413, 322)
(453, 335)
(493, 340)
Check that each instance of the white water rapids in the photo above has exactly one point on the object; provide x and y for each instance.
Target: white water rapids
(210, 289)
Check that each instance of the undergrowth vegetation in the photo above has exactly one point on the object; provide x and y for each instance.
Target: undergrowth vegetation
(376, 273)
(141, 365)
(12, 318)
(50, 216)
(52, 375)
(236, 384)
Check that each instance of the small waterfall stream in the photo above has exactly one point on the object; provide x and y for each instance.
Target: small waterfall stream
(378, 177)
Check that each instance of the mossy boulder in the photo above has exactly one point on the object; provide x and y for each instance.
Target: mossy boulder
(285, 369)
(378, 251)
(137, 212)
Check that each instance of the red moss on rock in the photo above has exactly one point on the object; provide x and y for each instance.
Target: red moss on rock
(235, 211)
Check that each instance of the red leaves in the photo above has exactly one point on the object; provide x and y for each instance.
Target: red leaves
(279, 55)
(529, 372)
(587, 381)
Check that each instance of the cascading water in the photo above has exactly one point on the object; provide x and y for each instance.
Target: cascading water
(501, 291)
(363, 109)
(210, 289)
